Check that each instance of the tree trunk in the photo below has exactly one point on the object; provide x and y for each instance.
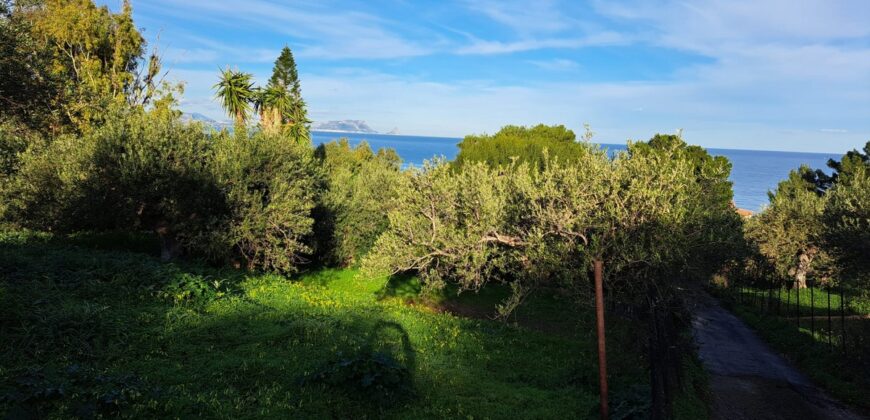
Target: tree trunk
(170, 249)
(805, 259)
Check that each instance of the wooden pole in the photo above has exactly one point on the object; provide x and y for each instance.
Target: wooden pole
(602, 352)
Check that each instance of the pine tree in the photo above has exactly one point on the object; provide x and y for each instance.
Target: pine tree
(285, 77)
(284, 73)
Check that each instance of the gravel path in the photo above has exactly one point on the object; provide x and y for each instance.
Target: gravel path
(747, 379)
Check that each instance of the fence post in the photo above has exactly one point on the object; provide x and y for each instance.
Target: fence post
(778, 299)
(812, 312)
(798, 306)
(830, 330)
(602, 352)
(843, 316)
(787, 301)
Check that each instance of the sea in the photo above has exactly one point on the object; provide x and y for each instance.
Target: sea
(753, 172)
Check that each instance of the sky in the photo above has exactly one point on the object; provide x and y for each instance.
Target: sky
(789, 75)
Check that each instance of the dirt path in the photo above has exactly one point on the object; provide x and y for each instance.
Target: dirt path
(748, 380)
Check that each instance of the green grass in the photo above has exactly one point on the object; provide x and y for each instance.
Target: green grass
(792, 301)
(100, 331)
(847, 378)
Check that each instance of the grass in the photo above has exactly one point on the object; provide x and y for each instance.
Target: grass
(847, 377)
(88, 329)
(806, 300)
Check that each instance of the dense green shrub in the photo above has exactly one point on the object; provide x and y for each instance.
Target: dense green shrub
(269, 184)
(525, 144)
(360, 190)
(220, 196)
(138, 171)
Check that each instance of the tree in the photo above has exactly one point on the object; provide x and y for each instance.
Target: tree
(846, 219)
(235, 91)
(525, 144)
(272, 103)
(285, 75)
(788, 232)
(852, 159)
(361, 188)
(66, 62)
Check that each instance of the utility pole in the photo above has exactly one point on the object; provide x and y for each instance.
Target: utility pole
(602, 352)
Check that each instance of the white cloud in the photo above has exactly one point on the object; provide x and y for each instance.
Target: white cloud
(332, 34)
(478, 46)
(525, 17)
(556, 64)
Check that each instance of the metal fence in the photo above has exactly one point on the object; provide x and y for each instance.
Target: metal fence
(821, 312)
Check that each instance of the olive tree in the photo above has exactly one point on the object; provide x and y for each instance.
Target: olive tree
(788, 232)
(359, 191)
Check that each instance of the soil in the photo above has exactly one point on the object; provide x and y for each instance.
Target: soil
(748, 380)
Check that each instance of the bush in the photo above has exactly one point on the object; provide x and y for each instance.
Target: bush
(223, 197)
(360, 190)
(269, 184)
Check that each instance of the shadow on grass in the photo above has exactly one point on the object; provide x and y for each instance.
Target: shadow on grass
(219, 343)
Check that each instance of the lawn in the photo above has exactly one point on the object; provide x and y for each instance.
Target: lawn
(90, 330)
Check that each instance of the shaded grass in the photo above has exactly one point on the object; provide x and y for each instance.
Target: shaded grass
(119, 332)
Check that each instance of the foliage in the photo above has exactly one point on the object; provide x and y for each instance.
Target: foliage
(235, 90)
(525, 144)
(74, 391)
(788, 232)
(360, 190)
(819, 222)
(138, 171)
(376, 376)
(269, 184)
(279, 104)
(27, 89)
(285, 75)
(846, 220)
(650, 214)
(222, 197)
(851, 160)
(84, 59)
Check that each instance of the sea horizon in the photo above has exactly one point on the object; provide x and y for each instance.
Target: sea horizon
(753, 173)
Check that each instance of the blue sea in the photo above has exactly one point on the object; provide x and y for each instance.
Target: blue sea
(753, 172)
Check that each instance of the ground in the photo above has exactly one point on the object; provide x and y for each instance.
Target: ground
(87, 329)
(747, 379)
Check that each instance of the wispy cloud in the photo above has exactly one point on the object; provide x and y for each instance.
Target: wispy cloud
(525, 17)
(556, 64)
(478, 46)
(333, 33)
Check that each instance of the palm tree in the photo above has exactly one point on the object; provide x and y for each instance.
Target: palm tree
(272, 103)
(235, 91)
(297, 118)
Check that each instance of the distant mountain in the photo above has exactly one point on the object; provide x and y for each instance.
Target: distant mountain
(196, 116)
(345, 126)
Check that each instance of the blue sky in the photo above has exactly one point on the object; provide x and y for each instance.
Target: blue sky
(773, 75)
